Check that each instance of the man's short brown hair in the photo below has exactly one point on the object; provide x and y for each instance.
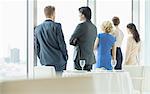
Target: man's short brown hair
(116, 21)
(49, 10)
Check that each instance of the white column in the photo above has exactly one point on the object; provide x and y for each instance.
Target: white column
(30, 37)
(136, 13)
(92, 5)
(138, 18)
(147, 32)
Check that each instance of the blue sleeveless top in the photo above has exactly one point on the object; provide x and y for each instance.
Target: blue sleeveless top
(106, 41)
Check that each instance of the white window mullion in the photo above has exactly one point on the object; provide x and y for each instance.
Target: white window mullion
(147, 32)
(30, 37)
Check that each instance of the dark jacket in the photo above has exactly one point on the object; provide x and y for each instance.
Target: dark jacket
(83, 39)
(51, 47)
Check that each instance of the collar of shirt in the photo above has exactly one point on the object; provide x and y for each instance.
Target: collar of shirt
(49, 19)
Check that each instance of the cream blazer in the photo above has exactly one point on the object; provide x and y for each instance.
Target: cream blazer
(132, 52)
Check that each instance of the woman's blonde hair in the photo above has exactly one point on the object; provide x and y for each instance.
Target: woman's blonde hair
(107, 27)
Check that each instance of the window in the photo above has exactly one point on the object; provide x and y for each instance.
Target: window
(13, 27)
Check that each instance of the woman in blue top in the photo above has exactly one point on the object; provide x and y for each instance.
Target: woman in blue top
(104, 43)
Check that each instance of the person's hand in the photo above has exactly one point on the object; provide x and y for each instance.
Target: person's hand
(114, 62)
(73, 42)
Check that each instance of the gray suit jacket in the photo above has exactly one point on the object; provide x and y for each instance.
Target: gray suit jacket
(51, 47)
(83, 39)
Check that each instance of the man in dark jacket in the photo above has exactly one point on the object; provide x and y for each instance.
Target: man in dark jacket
(83, 39)
(51, 47)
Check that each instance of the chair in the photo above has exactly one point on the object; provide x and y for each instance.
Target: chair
(136, 73)
(44, 72)
(146, 81)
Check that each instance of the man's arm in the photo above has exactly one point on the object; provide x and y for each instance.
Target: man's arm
(61, 41)
(77, 33)
(36, 43)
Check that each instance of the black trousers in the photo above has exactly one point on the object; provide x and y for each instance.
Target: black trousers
(87, 67)
(59, 68)
(119, 59)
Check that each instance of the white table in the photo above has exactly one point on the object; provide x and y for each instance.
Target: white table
(107, 82)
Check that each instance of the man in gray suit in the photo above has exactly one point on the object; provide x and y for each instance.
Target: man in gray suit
(83, 39)
(51, 47)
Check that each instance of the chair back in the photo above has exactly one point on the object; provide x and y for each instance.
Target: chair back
(44, 72)
(136, 73)
(146, 81)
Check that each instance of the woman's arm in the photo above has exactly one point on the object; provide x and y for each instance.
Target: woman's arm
(96, 43)
(114, 53)
(128, 49)
(139, 54)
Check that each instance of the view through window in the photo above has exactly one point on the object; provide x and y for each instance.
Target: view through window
(13, 35)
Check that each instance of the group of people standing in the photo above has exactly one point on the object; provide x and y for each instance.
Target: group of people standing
(51, 47)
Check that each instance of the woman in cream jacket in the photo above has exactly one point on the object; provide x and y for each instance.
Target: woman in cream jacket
(133, 46)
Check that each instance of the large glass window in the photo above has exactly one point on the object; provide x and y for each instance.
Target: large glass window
(106, 9)
(13, 28)
(67, 14)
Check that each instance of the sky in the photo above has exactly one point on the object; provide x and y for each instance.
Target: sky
(13, 27)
